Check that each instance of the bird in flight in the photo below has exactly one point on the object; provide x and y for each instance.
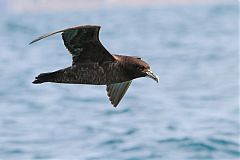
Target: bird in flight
(93, 64)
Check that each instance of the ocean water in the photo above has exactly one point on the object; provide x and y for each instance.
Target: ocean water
(192, 113)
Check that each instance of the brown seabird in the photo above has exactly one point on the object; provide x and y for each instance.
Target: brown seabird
(93, 64)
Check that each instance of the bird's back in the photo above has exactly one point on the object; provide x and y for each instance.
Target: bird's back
(87, 73)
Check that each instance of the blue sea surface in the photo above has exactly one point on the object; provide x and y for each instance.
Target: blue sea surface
(192, 113)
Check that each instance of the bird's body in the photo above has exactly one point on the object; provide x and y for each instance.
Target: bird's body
(93, 64)
(88, 73)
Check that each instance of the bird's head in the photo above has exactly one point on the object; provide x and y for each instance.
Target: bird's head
(139, 68)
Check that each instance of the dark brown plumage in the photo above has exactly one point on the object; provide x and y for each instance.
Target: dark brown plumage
(93, 64)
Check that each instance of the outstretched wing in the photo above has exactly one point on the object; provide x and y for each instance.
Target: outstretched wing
(116, 91)
(83, 43)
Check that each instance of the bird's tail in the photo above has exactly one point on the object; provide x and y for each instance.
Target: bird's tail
(47, 77)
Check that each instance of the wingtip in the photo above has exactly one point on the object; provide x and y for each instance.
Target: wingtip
(35, 40)
(112, 102)
(30, 43)
(114, 105)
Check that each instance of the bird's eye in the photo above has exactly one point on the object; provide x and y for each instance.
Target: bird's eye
(140, 67)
